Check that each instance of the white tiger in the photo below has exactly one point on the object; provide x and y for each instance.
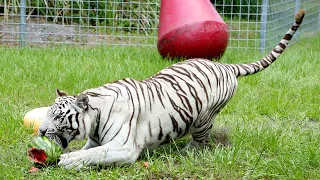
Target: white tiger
(122, 118)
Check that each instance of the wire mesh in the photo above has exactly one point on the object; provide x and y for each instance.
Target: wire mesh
(253, 24)
(280, 17)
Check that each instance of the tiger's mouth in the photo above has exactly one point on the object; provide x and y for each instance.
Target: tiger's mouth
(61, 141)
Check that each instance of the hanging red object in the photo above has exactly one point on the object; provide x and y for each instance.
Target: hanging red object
(191, 29)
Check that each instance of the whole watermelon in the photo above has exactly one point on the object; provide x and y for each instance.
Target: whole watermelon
(44, 151)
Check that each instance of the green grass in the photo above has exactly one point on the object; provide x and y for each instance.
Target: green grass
(272, 121)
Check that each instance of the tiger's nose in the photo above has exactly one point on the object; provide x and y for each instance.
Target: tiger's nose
(42, 132)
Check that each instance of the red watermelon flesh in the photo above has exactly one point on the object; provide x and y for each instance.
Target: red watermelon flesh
(37, 155)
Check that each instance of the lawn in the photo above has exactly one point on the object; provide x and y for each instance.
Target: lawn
(272, 123)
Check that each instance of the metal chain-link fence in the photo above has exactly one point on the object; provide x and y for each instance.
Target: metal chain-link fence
(253, 24)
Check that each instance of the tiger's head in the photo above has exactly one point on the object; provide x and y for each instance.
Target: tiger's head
(65, 119)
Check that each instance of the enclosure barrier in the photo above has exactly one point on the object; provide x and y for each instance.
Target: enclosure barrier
(253, 24)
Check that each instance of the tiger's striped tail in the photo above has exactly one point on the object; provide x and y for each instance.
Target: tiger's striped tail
(252, 68)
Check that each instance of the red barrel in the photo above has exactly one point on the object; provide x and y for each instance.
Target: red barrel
(191, 29)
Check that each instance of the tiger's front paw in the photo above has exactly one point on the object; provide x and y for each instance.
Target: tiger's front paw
(75, 160)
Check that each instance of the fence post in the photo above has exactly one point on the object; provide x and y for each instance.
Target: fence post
(298, 4)
(319, 17)
(297, 8)
(263, 25)
(22, 32)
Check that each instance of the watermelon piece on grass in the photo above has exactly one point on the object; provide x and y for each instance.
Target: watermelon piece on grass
(33, 170)
(44, 151)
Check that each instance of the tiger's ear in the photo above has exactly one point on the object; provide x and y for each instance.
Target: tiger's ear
(61, 93)
(81, 103)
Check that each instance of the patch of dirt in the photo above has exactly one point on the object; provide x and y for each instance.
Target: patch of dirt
(221, 136)
(38, 33)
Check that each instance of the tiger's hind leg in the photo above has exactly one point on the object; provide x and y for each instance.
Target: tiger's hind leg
(201, 134)
(199, 139)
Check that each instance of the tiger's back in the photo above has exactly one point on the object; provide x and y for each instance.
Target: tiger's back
(183, 98)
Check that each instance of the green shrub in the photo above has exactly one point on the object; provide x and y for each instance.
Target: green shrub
(120, 13)
(238, 8)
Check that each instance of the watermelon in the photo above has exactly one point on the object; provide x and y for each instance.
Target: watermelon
(44, 151)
